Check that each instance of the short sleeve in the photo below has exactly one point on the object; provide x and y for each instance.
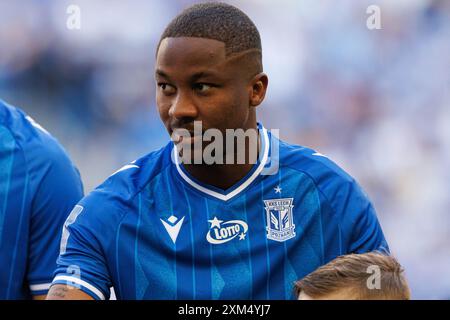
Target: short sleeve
(82, 262)
(359, 221)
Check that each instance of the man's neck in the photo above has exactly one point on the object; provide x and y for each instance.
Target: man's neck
(223, 176)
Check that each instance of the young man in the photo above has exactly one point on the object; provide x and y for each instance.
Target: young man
(356, 277)
(163, 229)
(38, 188)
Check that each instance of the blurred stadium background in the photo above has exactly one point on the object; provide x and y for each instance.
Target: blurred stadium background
(376, 101)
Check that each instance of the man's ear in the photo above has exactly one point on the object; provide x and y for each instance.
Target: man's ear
(258, 89)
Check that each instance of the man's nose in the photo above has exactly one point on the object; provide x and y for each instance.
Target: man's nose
(183, 107)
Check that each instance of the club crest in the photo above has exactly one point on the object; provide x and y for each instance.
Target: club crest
(280, 223)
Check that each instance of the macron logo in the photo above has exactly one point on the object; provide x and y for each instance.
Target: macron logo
(173, 226)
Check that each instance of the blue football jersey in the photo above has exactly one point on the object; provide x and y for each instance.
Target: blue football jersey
(152, 231)
(38, 188)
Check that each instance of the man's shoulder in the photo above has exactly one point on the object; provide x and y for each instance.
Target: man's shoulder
(36, 143)
(312, 163)
(124, 184)
(105, 206)
(34, 150)
(339, 189)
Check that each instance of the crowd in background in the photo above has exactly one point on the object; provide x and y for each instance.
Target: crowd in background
(377, 102)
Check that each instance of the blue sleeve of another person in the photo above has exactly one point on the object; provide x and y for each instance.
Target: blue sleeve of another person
(58, 188)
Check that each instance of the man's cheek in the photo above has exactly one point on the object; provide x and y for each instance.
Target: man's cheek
(164, 116)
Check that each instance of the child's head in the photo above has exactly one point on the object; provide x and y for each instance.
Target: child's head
(355, 276)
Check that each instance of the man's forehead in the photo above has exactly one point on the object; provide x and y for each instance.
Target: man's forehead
(190, 51)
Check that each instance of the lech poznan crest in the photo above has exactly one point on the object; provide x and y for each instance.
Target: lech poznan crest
(280, 222)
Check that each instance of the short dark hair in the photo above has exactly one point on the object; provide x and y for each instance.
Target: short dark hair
(217, 21)
(351, 272)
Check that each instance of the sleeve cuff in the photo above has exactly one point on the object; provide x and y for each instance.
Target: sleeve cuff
(38, 289)
(79, 284)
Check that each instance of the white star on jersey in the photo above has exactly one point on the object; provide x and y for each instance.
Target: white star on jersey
(215, 222)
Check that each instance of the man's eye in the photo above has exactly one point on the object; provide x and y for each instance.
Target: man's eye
(166, 88)
(202, 87)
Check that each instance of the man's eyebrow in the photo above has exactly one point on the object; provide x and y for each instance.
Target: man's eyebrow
(203, 74)
(194, 77)
(161, 73)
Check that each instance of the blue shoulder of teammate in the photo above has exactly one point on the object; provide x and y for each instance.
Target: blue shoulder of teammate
(40, 185)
